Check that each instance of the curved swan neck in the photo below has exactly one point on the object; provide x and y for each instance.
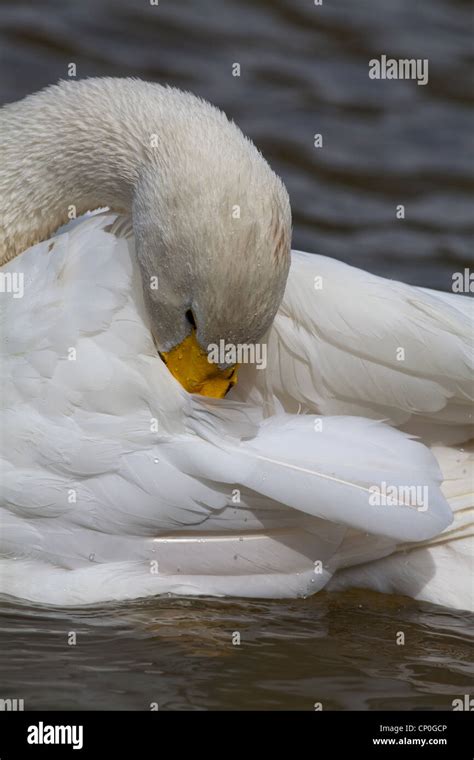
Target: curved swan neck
(77, 146)
(212, 222)
(62, 153)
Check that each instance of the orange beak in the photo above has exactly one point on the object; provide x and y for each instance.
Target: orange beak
(189, 364)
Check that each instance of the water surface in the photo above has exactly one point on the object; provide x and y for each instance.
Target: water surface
(339, 650)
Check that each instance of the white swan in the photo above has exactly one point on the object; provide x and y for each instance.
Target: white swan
(115, 482)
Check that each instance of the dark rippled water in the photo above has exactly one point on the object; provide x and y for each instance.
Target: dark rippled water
(337, 650)
(304, 70)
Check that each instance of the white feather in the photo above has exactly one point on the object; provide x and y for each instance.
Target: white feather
(116, 484)
(348, 342)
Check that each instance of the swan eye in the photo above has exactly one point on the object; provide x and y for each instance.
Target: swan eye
(190, 318)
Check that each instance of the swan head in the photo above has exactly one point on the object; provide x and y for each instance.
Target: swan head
(212, 221)
(213, 235)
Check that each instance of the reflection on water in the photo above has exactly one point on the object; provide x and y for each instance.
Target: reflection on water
(303, 71)
(339, 650)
